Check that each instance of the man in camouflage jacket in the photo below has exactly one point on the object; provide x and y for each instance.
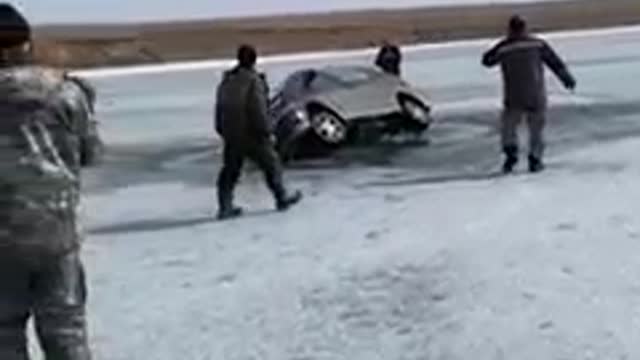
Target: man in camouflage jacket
(41, 274)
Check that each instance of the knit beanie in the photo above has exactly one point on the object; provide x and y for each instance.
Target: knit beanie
(14, 28)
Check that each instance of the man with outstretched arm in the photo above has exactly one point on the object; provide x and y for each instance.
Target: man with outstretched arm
(522, 58)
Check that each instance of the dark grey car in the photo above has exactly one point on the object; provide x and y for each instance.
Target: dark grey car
(328, 105)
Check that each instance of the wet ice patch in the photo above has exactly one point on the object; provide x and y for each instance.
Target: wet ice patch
(485, 104)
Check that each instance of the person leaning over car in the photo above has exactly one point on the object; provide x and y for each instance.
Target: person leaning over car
(522, 58)
(389, 59)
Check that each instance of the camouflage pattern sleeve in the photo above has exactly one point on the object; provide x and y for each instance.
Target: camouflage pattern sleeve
(84, 96)
(74, 113)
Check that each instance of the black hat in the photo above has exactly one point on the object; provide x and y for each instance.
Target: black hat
(247, 55)
(517, 24)
(14, 28)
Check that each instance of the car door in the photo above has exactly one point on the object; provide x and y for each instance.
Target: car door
(330, 92)
(377, 95)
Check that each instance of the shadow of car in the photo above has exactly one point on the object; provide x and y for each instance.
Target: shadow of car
(325, 108)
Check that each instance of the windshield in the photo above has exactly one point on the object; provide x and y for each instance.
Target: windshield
(351, 75)
(306, 82)
(309, 81)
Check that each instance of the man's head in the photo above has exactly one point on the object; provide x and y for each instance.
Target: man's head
(15, 35)
(517, 26)
(247, 56)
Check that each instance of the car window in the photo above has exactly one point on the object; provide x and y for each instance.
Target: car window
(352, 75)
(309, 81)
(297, 84)
(323, 82)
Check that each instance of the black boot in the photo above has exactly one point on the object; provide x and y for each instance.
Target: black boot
(535, 164)
(284, 202)
(230, 213)
(226, 208)
(511, 153)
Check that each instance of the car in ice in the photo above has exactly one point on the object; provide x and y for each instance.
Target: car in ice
(328, 106)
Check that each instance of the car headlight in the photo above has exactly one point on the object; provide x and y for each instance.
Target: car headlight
(297, 120)
(301, 115)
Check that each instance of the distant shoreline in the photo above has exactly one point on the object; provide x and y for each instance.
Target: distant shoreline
(89, 46)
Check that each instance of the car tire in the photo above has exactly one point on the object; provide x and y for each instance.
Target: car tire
(328, 126)
(417, 115)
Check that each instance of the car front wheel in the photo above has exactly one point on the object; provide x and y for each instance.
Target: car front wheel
(417, 114)
(328, 126)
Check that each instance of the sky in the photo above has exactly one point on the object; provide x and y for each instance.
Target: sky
(65, 11)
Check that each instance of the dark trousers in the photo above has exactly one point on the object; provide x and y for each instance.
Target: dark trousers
(536, 121)
(263, 154)
(54, 293)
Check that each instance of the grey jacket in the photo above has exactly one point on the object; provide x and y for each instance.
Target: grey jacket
(242, 112)
(522, 60)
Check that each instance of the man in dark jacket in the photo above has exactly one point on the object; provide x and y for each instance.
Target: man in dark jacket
(41, 274)
(389, 59)
(242, 120)
(523, 58)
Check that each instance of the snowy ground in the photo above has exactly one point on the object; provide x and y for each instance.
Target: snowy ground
(527, 267)
(399, 251)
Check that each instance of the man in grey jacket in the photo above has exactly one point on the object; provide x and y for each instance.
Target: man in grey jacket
(522, 58)
(242, 120)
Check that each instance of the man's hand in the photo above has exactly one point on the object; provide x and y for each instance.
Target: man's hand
(570, 84)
